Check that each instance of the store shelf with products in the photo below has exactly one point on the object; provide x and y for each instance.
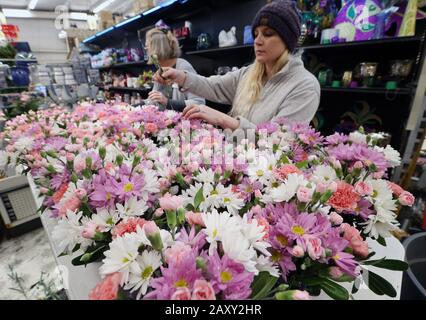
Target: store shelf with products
(124, 65)
(124, 89)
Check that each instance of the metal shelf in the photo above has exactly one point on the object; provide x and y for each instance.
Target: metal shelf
(399, 91)
(124, 89)
(124, 65)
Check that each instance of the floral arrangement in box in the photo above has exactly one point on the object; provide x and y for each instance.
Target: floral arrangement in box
(174, 210)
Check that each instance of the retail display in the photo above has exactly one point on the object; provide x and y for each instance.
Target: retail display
(158, 200)
(228, 39)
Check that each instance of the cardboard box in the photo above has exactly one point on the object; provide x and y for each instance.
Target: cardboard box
(106, 19)
(142, 5)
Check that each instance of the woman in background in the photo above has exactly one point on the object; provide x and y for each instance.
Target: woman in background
(275, 85)
(165, 46)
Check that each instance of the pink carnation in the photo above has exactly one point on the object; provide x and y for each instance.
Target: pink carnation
(71, 204)
(177, 253)
(57, 196)
(203, 290)
(285, 170)
(107, 289)
(363, 188)
(314, 248)
(194, 218)
(128, 226)
(304, 194)
(356, 242)
(396, 189)
(182, 293)
(168, 202)
(406, 199)
(344, 198)
(151, 128)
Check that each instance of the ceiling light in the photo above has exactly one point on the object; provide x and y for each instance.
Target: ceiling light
(103, 5)
(32, 4)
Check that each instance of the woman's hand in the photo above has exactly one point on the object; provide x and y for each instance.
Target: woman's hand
(211, 116)
(158, 97)
(170, 76)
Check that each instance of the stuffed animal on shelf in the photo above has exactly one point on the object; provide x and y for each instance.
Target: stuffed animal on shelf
(228, 39)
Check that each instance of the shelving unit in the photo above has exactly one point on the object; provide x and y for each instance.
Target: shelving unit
(124, 65)
(124, 89)
(381, 91)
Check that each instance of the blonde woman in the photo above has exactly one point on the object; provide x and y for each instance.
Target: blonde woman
(275, 85)
(165, 46)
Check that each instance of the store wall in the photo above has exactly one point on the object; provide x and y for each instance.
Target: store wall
(43, 38)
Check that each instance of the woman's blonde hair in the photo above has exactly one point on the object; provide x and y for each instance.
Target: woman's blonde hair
(252, 84)
(163, 44)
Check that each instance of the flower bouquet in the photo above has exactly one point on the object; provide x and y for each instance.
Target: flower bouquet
(175, 210)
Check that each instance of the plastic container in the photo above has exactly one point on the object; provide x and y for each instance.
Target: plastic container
(414, 279)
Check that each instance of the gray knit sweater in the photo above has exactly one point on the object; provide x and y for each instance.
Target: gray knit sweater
(293, 93)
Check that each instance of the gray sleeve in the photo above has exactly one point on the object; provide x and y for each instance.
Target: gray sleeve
(220, 89)
(301, 104)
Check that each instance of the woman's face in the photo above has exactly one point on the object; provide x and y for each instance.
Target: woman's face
(268, 45)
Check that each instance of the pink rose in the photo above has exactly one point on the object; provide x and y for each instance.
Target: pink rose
(396, 189)
(314, 248)
(406, 199)
(194, 218)
(107, 289)
(181, 294)
(177, 253)
(171, 203)
(298, 252)
(304, 194)
(336, 219)
(203, 290)
(363, 188)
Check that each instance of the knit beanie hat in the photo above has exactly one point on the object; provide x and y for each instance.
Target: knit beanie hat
(283, 17)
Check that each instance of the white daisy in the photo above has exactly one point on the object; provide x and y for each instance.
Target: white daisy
(288, 189)
(205, 176)
(67, 233)
(358, 137)
(105, 218)
(392, 156)
(265, 264)
(237, 247)
(151, 185)
(141, 272)
(132, 207)
(262, 169)
(217, 225)
(122, 253)
(324, 174)
(232, 203)
(254, 233)
(23, 144)
(4, 158)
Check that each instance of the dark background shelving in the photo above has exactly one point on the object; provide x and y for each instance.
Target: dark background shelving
(212, 16)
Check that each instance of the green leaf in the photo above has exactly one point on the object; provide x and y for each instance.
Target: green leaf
(390, 264)
(378, 284)
(334, 290)
(262, 285)
(357, 284)
(199, 197)
(302, 165)
(381, 241)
